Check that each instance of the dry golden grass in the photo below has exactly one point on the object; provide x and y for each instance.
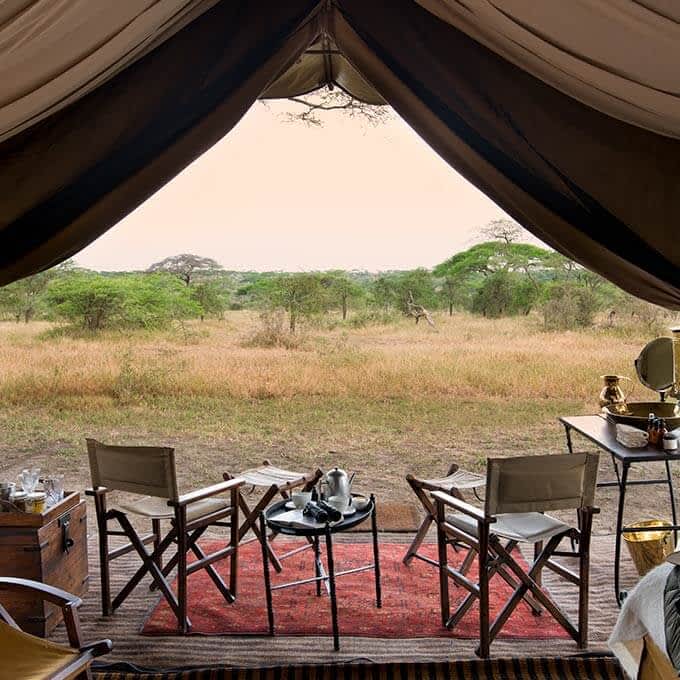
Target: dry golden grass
(465, 358)
(383, 401)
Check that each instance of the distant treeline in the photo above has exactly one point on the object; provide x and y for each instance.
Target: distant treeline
(494, 278)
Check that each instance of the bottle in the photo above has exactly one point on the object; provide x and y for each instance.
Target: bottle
(662, 432)
(654, 432)
(650, 426)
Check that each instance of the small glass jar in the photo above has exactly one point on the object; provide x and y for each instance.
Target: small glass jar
(670, 442)
(36, 502)
(19, 500)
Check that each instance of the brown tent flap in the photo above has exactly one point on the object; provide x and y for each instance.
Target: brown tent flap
(597, 188)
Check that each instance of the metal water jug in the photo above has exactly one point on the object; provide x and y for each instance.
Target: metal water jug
(339, 483)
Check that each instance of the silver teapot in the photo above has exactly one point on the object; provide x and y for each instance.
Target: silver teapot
(338, 483)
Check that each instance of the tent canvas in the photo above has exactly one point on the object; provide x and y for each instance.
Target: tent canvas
(569, 120)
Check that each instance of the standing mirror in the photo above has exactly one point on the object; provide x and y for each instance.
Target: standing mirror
(655, 365)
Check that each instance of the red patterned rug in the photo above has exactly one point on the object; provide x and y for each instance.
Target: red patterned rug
(410, 599)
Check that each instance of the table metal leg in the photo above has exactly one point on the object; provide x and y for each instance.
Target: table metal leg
(567, 432)
(616, 469)
(267, 578)
(331, 581)
(376, 555)
(619, 526)
(317, 565)
(671, 491)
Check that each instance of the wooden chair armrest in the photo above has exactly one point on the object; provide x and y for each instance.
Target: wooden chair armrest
(54, 595)
(462, 506)
(207, 492)
(98, 648)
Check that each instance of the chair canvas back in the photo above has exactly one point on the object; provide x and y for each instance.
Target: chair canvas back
(144, 470)
(540, 483)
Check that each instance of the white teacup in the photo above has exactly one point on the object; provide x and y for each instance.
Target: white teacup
(340, 503)
(301, 498)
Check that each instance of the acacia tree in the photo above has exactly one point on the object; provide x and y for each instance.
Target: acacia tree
(187, 266)
(301, 295)
(342, 290)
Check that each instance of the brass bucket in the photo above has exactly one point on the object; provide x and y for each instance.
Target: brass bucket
(649, 548)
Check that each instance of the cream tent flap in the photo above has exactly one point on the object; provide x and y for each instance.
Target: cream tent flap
(52, 52)
(618, 56)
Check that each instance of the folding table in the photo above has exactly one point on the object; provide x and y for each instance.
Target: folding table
(598, 430)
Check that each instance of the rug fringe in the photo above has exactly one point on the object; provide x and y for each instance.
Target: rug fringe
(538, 668)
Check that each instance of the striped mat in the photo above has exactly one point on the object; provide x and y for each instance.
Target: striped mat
(566, 668)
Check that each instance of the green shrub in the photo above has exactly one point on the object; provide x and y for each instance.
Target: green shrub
(96, 302)
(568, 306)
(274, 331)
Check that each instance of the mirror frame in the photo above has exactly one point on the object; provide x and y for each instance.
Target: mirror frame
(651, 345)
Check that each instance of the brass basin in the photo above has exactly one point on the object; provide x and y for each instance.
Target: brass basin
(636, 413)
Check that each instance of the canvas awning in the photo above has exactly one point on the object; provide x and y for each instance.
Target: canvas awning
(566, 114)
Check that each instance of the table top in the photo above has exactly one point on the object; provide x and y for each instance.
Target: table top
(603, 433)
(346, 523)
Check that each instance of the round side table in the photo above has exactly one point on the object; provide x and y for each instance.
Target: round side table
(322, 575)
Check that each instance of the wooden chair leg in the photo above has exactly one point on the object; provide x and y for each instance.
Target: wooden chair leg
(418, 540)
(182, 549)
(148, 566)
(233, 539)
(104, 570)
(586, 523)
(538, 548)
(156, 528)
(528, 583)
(484, 632)
(443, 566)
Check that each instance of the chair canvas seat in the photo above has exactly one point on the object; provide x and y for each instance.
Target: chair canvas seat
(523, 527)
(277, 482)
(461, 479)
(456, 480)
(267, 475)
(158, 508)
(29, 657)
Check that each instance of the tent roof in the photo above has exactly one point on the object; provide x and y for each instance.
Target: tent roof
(565, 114)
(322, 65)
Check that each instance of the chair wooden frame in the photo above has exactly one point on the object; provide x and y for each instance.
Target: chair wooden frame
(184, 533)
(494, 554)
(420, 488)
(304, 482)
(79, 667)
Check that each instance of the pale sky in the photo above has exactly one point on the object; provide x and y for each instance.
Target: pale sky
(275, 195)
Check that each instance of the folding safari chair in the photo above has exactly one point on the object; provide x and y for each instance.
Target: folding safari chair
(149, 473)
(518, 492)
(456, 480)
(26, 656)
(276, 482)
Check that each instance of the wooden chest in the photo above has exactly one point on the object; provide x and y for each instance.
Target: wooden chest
(50, 547)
